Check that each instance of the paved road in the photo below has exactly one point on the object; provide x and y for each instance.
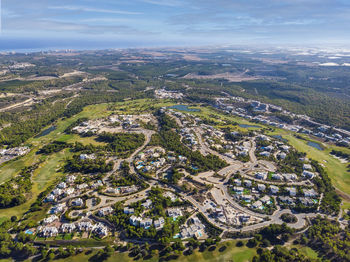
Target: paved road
(219, 192)
(204, 149)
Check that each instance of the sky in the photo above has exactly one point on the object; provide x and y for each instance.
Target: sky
(84, 24)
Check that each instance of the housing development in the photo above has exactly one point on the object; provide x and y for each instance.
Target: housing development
(258, 178)
(115, 161)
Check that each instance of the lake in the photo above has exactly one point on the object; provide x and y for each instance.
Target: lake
(46, 131)
(315, 145)
(184, 108)
(248, 126)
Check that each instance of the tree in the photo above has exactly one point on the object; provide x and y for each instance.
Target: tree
(252, 242)
(51, 255)
(147, 246)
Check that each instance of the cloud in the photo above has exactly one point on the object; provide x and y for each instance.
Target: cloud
(51, 26)
(273, 20)
(170, 3)
(94, 10)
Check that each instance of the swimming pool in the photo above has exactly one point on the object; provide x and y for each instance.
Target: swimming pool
(29, 232)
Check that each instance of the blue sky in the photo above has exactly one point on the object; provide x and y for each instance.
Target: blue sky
(116, 23)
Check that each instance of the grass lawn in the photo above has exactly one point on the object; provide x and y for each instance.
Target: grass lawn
(345, 206)
(72, 138)
(230, 252)
(48, 171)
(225, 251)
(210, 113)
(307, 251)
(336, 170)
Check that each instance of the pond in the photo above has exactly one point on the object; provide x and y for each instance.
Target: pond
(248, 126)
(184, 108)
(279, 137)
(315, 145)
(46, 131)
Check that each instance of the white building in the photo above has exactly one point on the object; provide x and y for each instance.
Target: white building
(147, 204)
(134, 220)
(292, 191)
(84, 226)
(105, 211)
(47, 231)
(67, 227)
(261, 187)
(62, 185)
(257, 205)
(159, 223)
(174, 212)
(308, 174)
(261, 175)
(50, 219)
(57, 208)
(274, 189)
(128, 210)
(146, 223)
(77, 202)
(100, 230)
(310, 192)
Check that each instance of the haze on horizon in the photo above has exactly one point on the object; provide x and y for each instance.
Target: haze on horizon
(60, 24)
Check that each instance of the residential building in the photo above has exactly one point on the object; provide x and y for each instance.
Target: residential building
(147, 204)
(310, 192)
(266, 200)
(128, 210)
(261, 175)
(308, 174)
(47, 231)
(159, 223)
(261, 187)
(274, 189)
(77, 202)
(292, 191)
(105, 211)
(277, 177)
(248, 183)
(100, 230)
(257, 205)
(67, 227)
(50, 219)
(146, 223)
(174, 212)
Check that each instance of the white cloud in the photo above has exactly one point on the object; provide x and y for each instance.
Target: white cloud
(95, 10)
(163, 2)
